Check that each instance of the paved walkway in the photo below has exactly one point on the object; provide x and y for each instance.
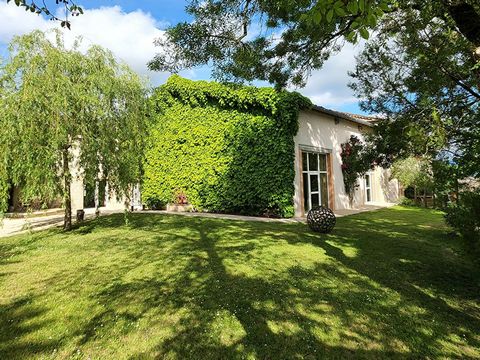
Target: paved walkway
(224, 216)
(13, 226)
(38, 221)
(363, 208)
(338, 213)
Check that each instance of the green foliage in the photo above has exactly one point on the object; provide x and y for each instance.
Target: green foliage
(126, 217)
(60, 109)
(282, 41)
(416, 173)
(356, 161)
(420, 74)
(407, 202)
(413, 172)
(389, 283)
(295, 37)
(464, 216)
(68, 6)
(445, 181)
(227, 148)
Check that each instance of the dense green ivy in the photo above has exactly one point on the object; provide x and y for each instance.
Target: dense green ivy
(228, 148)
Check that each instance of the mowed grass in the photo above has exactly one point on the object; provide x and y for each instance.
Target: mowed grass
(386, 284)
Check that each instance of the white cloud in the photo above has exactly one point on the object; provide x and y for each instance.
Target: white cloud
(16, 21)
(129, 36)
(328, 86)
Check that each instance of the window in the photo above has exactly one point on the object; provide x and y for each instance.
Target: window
(315, 180)
(368, 188)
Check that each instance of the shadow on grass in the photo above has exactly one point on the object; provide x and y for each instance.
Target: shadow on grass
(400, 264)
(19, 319)
(388, 284)
(7, 252)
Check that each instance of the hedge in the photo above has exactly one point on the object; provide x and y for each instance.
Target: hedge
(464, 215)
(228, 148)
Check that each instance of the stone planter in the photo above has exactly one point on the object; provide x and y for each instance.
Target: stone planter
(179, 207)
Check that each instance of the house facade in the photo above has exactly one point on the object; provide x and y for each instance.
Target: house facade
(242, 150)
(99, 196)
(83, 195)
(318, 173)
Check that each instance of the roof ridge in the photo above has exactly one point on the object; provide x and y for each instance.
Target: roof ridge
(368, 121)
(361, 116)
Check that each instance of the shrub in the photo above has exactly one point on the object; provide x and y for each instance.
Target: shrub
(405, 201)
(180, 198)
(409, 193)
(155, 203)
(465, 215)
(229, 148)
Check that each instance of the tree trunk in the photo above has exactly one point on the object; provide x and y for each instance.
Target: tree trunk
(97, 198)
(415, 195)
(425, 197)
(67, 199)
(467, 20)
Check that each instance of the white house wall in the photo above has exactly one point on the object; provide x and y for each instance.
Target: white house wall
(77, 187)
(319, 130)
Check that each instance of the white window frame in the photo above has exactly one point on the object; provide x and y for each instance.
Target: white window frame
(314, 172)
(369, 174)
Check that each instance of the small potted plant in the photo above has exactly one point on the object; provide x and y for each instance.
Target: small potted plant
(180, 198)
(180, 202)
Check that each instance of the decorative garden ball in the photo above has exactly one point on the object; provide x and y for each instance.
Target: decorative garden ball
(321, 219)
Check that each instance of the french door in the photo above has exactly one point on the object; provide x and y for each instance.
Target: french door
(315, 180)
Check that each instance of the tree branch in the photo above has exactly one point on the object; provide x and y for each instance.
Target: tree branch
(467, 20)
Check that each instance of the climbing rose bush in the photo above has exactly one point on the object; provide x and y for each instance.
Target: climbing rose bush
(357, 159)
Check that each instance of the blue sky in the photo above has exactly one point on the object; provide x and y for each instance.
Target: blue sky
(128, 28)
(168, 11)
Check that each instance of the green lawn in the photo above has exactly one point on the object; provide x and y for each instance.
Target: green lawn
(391, 283)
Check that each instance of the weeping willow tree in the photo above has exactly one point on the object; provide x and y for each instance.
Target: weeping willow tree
(63, 109)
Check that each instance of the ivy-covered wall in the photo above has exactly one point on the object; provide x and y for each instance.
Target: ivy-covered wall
(227, 148)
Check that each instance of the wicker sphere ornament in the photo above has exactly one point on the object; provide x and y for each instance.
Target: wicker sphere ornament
(321, 219)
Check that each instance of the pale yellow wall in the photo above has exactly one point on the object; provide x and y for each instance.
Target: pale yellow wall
(384, 189)
(77, 190)
(319, 130)
(112, 202)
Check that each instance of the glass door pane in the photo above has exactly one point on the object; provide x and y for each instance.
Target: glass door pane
(368, 188)
(312, 162)
(324, 189)
(304, 161)
(306, 192)
(314, 183)
(323, 162)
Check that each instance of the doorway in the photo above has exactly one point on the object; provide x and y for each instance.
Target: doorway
(94, 194)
